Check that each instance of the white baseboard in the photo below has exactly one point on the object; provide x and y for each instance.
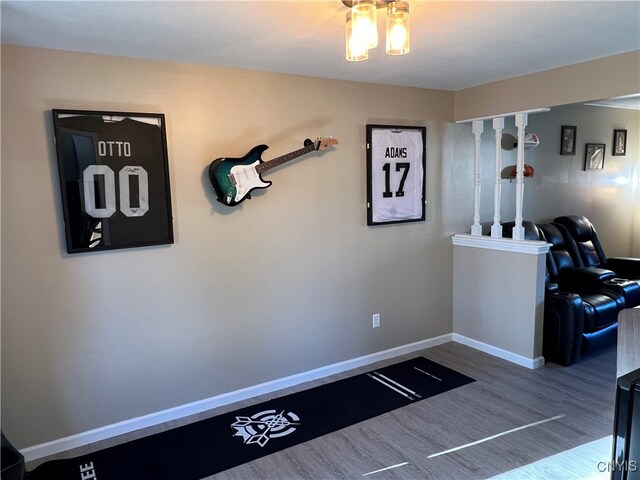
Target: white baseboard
(60, 445)
(499, 352)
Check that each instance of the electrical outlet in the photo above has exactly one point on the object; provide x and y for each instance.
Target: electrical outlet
(376, 320)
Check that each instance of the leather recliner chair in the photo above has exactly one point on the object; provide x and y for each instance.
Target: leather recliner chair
(573, 323)
(601, 303)
(591, 251)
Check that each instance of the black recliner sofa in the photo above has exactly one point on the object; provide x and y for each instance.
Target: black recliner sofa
(581, 303)
(602, 294)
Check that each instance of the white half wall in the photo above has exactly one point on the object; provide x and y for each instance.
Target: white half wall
(498, 295)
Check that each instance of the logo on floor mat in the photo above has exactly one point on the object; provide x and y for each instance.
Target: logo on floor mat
(265, 425)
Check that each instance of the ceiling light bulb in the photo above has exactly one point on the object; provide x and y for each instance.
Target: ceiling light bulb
(356, 47)
(398, 29)
(365, 22)
(397, 38)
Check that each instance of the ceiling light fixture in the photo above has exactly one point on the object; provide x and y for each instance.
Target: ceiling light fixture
(361, 28)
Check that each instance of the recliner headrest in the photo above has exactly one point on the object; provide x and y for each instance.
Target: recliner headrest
(530, 230)
(552, 235)
(563, 254)
(579, 227)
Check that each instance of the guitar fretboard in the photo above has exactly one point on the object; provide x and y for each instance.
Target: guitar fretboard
(264, 166)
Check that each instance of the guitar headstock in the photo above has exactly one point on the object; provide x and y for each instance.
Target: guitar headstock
(325, 142)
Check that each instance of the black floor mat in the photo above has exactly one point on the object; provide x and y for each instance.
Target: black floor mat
(203, 448)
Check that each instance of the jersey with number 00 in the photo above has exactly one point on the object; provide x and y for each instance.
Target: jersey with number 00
(396, 175)
(115, 182)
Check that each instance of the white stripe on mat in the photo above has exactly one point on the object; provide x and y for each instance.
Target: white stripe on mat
(397, 384)
(388, 385)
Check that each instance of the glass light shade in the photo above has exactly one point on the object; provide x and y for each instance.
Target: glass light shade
(365, 22)
(398, 29)
(356, 48)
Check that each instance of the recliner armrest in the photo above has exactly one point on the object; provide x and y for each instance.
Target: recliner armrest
(625, 267)
(584, 277)
(563, 328)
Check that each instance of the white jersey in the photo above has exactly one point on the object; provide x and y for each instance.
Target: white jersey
(396, 175)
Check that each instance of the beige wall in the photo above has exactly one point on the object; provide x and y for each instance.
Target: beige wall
(505, 312)
(604, 78)
(284, 284)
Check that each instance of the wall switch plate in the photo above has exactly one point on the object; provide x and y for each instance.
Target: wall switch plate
(376, 320)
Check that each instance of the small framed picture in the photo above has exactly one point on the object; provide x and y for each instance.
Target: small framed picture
(568, 140)
(594, 156)
(619, 143)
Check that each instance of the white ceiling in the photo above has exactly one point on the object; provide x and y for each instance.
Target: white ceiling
(455, 44)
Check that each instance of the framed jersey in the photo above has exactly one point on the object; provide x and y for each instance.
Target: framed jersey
(395, 174)
(114, 179)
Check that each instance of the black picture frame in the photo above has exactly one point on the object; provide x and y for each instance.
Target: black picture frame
(619, 142)
(396, 174)
(594, 156)
(568, 134)
(114, 179)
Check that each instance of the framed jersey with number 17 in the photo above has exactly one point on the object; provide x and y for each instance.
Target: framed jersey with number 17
(395, 174)
(114, 179)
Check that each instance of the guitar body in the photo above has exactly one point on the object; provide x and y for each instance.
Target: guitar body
(233, 179)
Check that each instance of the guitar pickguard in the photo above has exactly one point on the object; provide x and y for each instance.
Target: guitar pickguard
(245, 179)
(233, 179)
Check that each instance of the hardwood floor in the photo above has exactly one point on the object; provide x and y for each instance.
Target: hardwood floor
(509, 418)
(574, 464)
(504, 397)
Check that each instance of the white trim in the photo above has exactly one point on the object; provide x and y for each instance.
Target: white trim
(499, 352)
(510, 114)
(84, 438)
(625, 107)
(532, 247)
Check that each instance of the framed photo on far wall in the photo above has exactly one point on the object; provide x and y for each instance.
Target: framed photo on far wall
(594, 156)
(395, 174)
(568, 140)
(114, 179)
(619, 142)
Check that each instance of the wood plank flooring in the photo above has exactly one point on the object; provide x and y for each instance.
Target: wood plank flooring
(505, 397)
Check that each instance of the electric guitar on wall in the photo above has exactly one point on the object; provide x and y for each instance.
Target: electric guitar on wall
(234, 179)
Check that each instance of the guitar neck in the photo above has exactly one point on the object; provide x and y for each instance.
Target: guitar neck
(268, 165)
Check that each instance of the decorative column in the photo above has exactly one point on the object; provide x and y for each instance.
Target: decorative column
(496, 228)
(521, 123)
(476, 228)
